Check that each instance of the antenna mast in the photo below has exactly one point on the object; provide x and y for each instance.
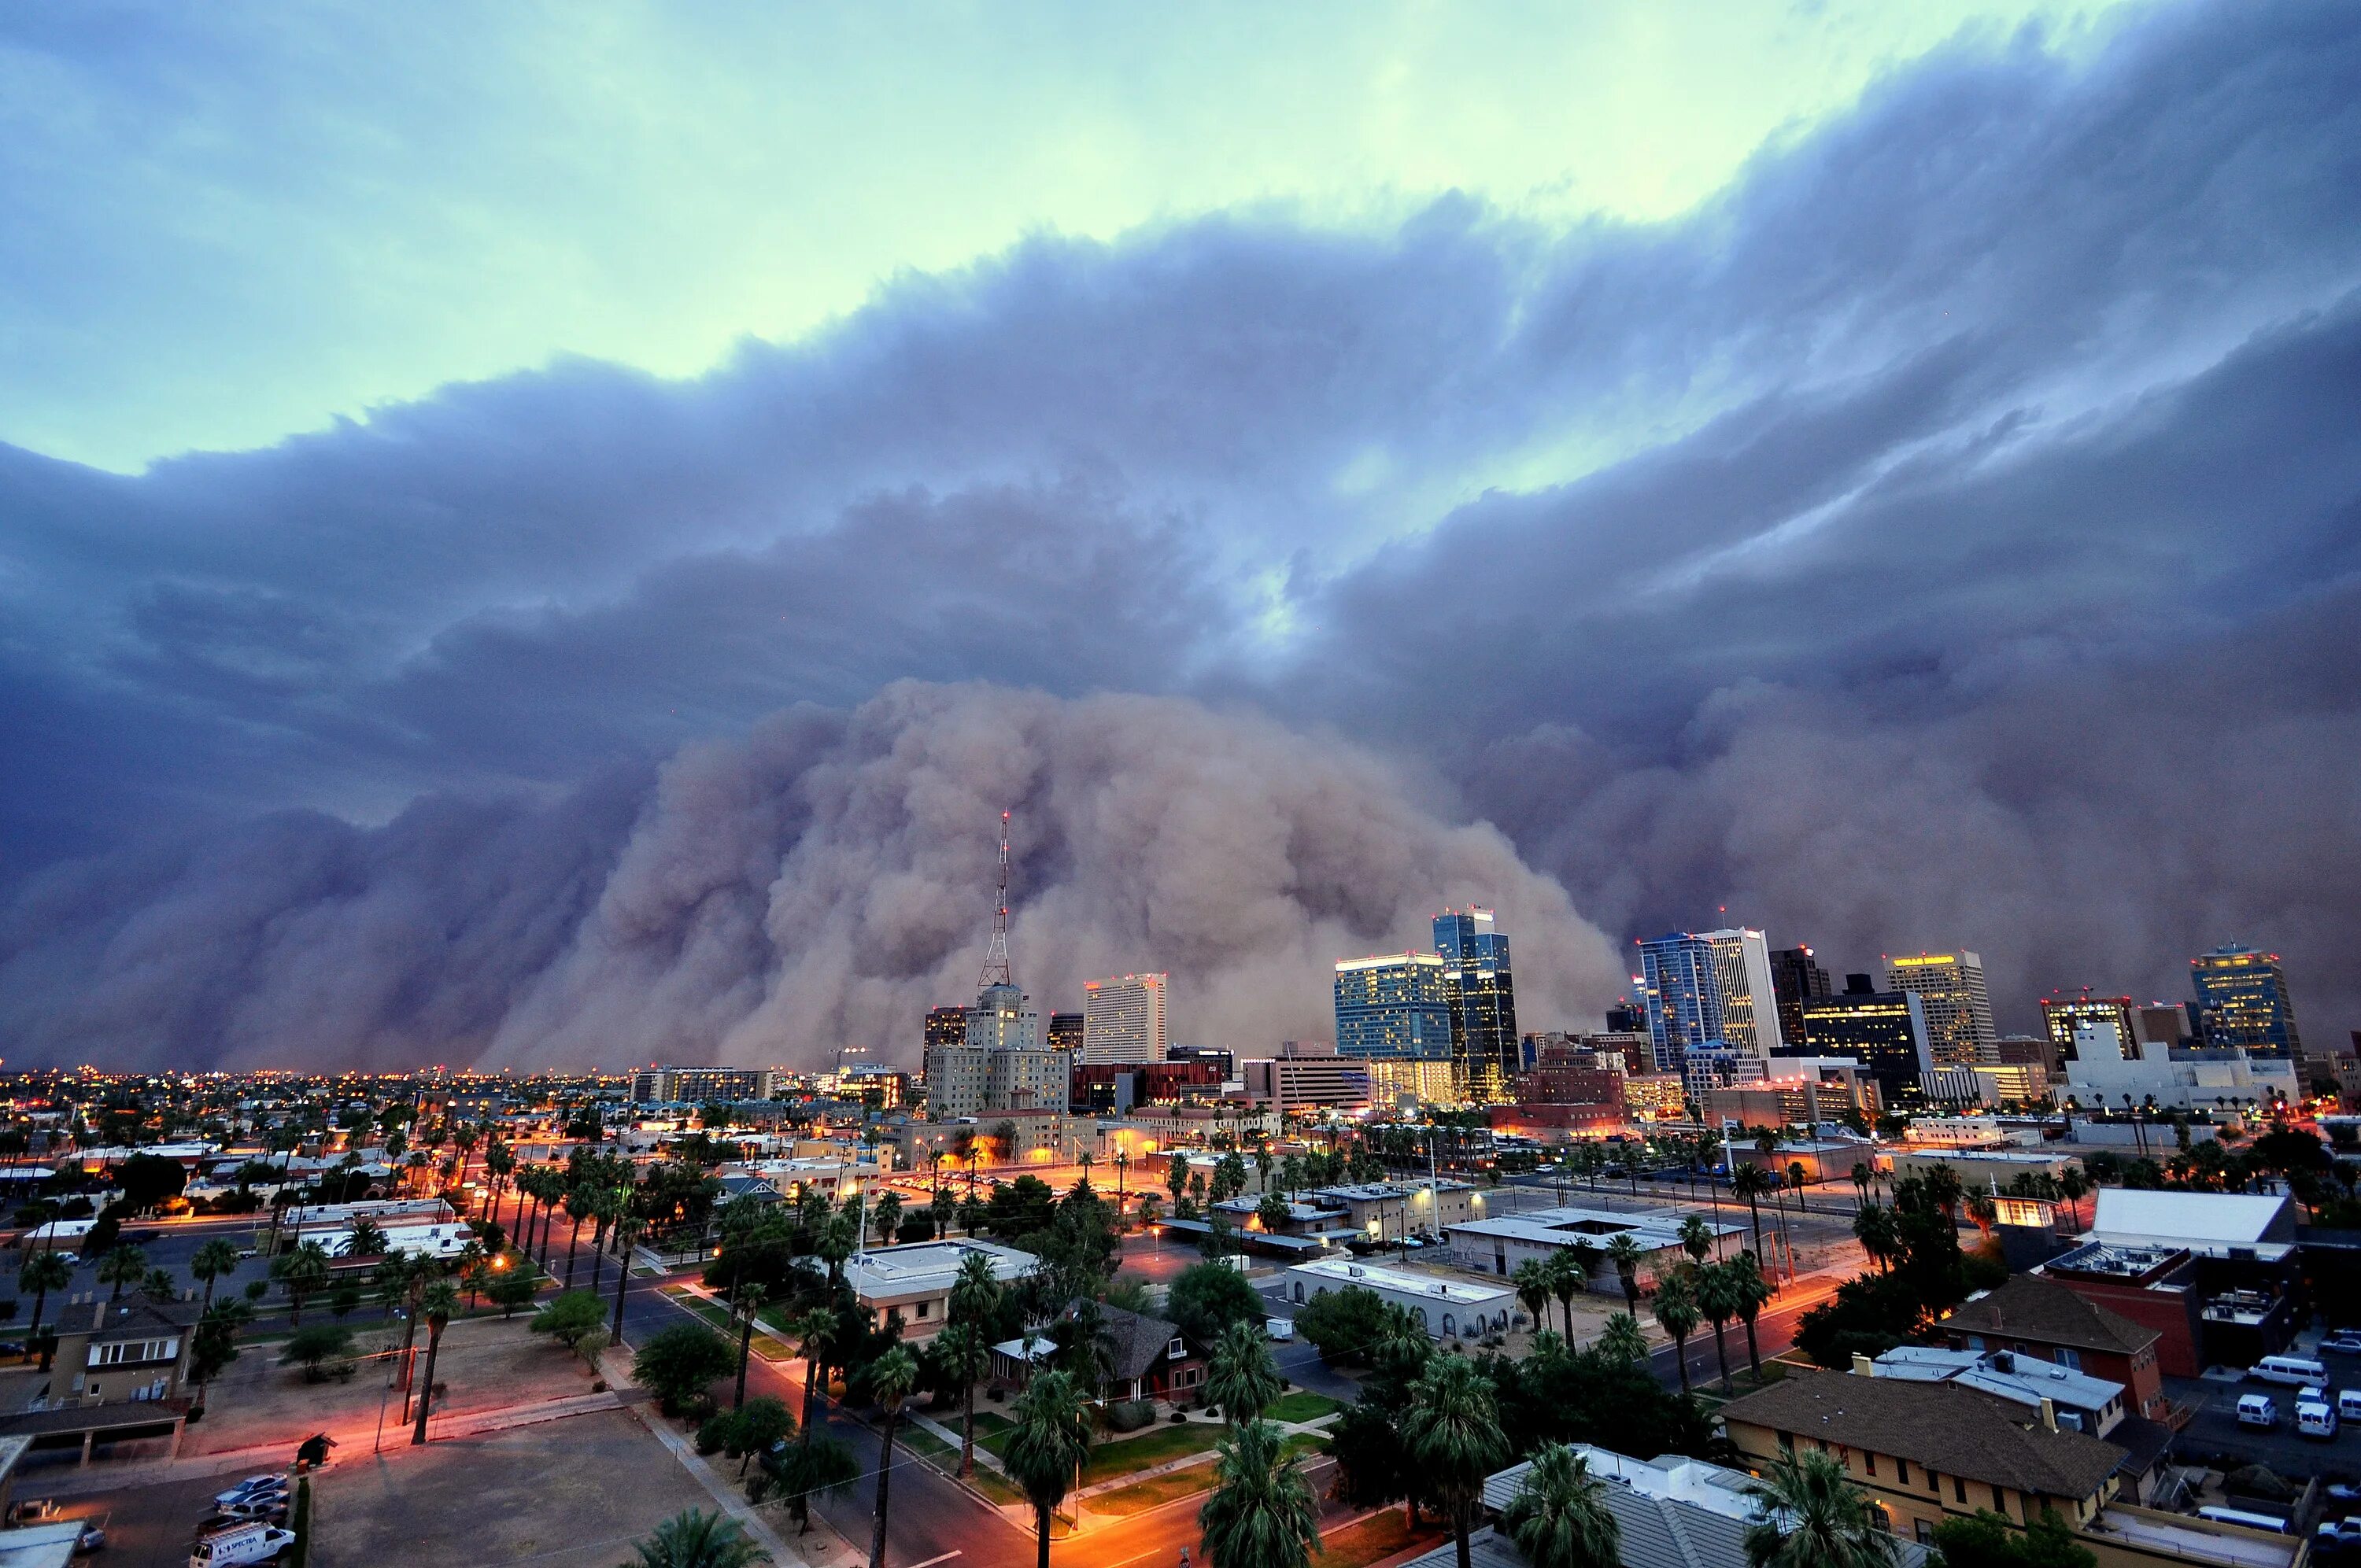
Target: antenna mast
(995, 957)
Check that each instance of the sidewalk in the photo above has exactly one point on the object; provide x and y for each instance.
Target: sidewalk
(616, 1369)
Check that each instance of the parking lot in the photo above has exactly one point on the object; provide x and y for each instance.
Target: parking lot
(2215, 1428)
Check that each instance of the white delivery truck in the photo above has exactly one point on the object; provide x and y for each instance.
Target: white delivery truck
(240, 1543)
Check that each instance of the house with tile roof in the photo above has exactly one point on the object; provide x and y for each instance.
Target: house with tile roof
(1926, 1452)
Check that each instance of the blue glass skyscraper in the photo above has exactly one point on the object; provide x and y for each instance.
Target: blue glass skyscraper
(2242, 1000)
(1482, 998)
(1708, 988)
(1396, 1006)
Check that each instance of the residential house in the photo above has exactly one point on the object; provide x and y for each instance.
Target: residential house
(915, 1280)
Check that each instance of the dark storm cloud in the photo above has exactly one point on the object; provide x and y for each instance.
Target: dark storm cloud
(1965, 503)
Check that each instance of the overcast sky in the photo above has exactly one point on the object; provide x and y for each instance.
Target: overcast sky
(552, 539)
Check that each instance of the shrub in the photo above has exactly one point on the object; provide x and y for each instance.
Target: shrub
(713, 1434)
(1130, 1415)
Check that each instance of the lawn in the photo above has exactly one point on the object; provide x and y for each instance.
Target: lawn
(1303, 1442)
(1156, 1446)
(1373, 1539)
(1304, 1405)
(1156, 1490)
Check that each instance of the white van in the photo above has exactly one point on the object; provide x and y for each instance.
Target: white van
(2257, 1411)
(2295, 1371)
(2314, 1418)
(240, 1543)
(2348, 1403)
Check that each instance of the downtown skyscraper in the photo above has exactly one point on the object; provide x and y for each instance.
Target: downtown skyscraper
(1483, 997)
(1708, 988)
(1950, 987)
(2242, 1001)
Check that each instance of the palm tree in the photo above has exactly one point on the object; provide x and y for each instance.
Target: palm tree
(1716, 1298)
(1261, 1514)
(1622, 1339)
(1814, 1517)
(1532, 1282)
(698, 1540)
(1753, 1293)
(1751, 1183)
(1242, 1378)
(1624, 1252)
(1861, 1176)
(1568, 1278)
(441, 1300)
(1880, 1234)
(1677, 1313)
(41, 1273)
(303, 1271)
(1452, 1432)
(1558, 1518)
(815, 1333)
(580, 1204)
(1046, 1446)
(961, 1350)
(216, 1258)
(891, 1377)
(123, 1266)
(1696, 1238)
(748, 1295)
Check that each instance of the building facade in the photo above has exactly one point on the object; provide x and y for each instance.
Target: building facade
(1885, 1031)
(1707, 988)
(2062, 1015)
(1064, 1033)
(1123, 1019)
(1394, 1005)
(704, 1085)
(1952, 995)
(1482, 995)
(1796, 976)
(2242, 1001)
(1306, 1075)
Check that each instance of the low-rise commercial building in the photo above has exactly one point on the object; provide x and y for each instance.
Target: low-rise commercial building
(2032, 1315)
(1387, 1210)
(1498, 1245)
(915, 1280)
(1444, 1308)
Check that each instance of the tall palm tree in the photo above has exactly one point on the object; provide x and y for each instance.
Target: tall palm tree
(1752, 1182)
(1046, 1446)
(962, 1352)
(41, 1273)
(698, 1539)
(1880, 1234)
(1862, 1175)
(1261, 1514)
(1532, 1282)
(1568, 1278)
(580, 1204)
(815, 1333)
(217, 1258)
(746, 1298)
(1696, 1238)
(1558, 1518)
(1452, 1432)
(627, 1231)
(891, 1377)
(1242, 1378)
(1814, 1517)
(122, 1266)
(1754, 1294)
(1677, 1313)
(1622, 1339)
(1623, 1251)
(303, 1271)
(441, 1300)
(1717, 1299)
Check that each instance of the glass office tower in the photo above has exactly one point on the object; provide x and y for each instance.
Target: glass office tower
(2242, 1000)
(1483, 999)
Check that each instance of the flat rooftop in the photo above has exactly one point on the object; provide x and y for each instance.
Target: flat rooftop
(1344, 1271)
(1654, 1230)
(927, 1265)
(2199, 1538)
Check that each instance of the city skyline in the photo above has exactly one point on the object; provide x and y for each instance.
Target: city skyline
(580, 600)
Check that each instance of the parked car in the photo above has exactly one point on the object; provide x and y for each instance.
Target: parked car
(2257, 1411)
(256, 1487)
(91, 1538)
(272, 1506)
(2344, 1342)
(243, 1543)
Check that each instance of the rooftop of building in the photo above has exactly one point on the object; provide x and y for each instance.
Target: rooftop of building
(925, 1265)
(1565, 1226)
(1346, 1271)
(1389, 1191)
(2212, 1222)
(2020, 1379)
(1944, 1427)
(2130, 1264)
(2030, 1308)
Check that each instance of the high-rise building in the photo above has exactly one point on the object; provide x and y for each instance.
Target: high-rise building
(1224, 1063)
(1000, 1062)
(1123, 1019)
(1395, 1005)
(1064, 1033)
(2062, 1015)
(1884, 1031)
(1795, 975)
(1486, 1053)
(2161, 1024)
(706, 1085)
(1951, 989)
(1708, 988)
(1627, 1017)
(945, 1026)
(2242, 1001)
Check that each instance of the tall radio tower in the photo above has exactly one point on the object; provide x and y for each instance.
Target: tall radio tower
(995, 957)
